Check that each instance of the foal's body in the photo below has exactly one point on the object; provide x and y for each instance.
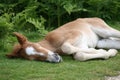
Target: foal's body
(80, 38)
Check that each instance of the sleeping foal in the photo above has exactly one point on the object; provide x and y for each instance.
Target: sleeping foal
(78, 38)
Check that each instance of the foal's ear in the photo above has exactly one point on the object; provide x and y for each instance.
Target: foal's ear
(21, 38)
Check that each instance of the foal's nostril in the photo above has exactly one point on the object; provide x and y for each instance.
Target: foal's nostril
(58, 58)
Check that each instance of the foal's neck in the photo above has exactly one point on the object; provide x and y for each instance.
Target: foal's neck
(47, 45)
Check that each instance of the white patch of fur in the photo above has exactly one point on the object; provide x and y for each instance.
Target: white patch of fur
(50, 57)
(50, 53)
(68, 48)
(109, 44)
(31, 51)
(88, 54)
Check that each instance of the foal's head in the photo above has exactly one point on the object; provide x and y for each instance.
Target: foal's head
(32, 51)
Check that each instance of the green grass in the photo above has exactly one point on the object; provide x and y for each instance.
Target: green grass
(69, 69)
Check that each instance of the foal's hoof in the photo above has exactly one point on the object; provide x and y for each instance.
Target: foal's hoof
(112, 52)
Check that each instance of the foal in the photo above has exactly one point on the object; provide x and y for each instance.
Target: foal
(79, 38)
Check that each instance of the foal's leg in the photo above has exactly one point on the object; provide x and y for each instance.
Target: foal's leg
(105, 31)
(68, 48)
(114, 33)
(84, 54)
(109, 44)
(94, 54)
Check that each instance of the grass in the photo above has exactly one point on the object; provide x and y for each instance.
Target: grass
(69, 69)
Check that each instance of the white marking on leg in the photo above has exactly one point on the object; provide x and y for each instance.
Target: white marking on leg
(112, 52)
(93, 54)
(109, 44)
(86, 56)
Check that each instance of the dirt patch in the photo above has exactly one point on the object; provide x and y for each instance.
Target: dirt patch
(113, 78)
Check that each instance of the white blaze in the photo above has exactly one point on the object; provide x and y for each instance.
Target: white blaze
(31, 51)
